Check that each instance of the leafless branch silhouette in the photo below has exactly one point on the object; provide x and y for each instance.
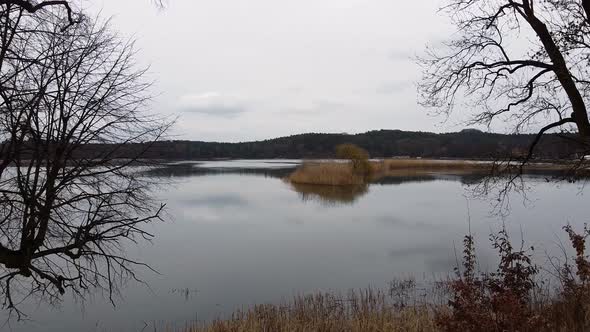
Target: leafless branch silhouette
(543, 86)
(67, 211)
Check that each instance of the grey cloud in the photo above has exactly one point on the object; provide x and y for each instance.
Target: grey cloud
(213, 103)
(399, 55)
(216, 110)
(394, 87)
(330, 105)
(317, 107)
(295, 90)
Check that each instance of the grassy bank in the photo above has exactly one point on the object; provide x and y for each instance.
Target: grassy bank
(326, 173)
(392, 167)
(369, 310)
(341, 173)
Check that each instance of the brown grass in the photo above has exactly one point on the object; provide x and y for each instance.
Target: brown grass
(462, 166)
(430, 164)
(326, 173)
(342, 173)
(368, 310)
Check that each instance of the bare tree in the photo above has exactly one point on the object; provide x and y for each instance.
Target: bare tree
(70, 15)
(524, 62)
(34, 6)
(71, 100)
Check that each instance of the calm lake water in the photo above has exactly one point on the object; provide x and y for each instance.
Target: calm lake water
(238, 235)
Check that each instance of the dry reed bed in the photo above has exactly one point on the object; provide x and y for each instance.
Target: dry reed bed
(369, 310)
(326, 173)
(375, 311)
(432, 164)
(336, 173)
(393, 167)
(341, 173)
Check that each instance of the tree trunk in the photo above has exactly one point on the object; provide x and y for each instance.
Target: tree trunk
(563, 74)
(586, 5)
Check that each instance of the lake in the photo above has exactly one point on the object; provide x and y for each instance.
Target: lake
(237, 235)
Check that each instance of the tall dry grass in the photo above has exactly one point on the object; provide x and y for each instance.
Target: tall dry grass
(326, 173)
(343, 173)
(429, 164)
(361, 311)
(336, 173)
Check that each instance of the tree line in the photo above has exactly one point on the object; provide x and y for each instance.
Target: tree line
(468, 143)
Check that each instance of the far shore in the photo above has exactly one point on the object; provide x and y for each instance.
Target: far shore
(340, 172)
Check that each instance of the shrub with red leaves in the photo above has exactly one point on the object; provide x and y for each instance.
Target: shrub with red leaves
(496, 301)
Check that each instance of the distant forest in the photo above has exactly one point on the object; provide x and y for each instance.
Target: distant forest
(468, 143)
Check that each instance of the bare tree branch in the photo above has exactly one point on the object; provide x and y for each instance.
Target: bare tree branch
(540, 135)
(34, 7)
(493, 70)
(68, 208)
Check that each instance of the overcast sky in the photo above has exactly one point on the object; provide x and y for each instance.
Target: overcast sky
(237, 70)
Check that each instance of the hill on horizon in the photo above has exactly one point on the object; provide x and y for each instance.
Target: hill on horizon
(468, 143)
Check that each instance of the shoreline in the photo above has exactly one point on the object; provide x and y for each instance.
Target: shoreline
(340, 172)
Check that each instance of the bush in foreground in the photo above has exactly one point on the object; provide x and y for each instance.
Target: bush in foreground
(512, 298)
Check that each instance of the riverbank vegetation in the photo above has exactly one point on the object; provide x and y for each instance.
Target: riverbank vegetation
(368, 310)
(353, 168)
(326, 173)
(342, 173)
(514, 297)
(358, 169)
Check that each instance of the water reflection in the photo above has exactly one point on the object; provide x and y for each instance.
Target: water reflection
(410, 176)
(324, 194)
(330, 195)
(279, 171)
(185, 293)
(193, 169)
